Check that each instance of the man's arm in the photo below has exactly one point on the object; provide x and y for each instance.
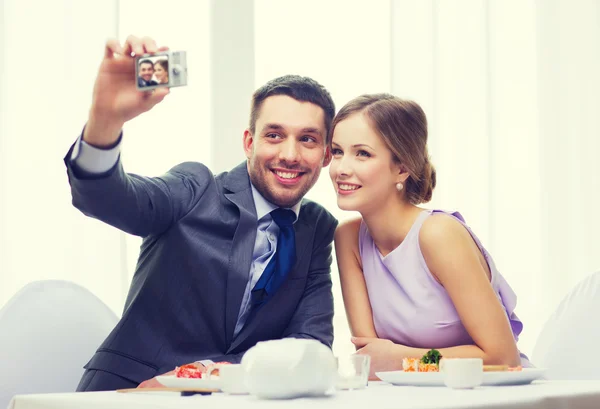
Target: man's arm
(135, 204)
(313, 318)
(92, 161)
(100, 187)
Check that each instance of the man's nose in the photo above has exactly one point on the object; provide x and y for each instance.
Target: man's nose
(289, 151)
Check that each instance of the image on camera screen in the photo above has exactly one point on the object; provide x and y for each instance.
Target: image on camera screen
(153, 71)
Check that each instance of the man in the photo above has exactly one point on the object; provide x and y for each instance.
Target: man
(227, 260)
(146, 70)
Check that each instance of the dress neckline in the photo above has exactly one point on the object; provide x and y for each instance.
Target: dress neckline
(401, 245)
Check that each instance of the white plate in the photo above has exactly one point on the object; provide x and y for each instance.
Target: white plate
(171, 381)
(527, 375)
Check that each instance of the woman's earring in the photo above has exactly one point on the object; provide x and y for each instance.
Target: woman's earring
(399, 186)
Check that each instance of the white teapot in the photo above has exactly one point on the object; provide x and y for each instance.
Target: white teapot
(289, 368)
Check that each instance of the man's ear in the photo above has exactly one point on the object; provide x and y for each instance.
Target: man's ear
(328, 156)
(248, 143)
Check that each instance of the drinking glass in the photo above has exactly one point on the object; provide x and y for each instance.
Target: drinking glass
(352, 371)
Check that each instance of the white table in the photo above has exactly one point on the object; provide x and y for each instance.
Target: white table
(556, 394)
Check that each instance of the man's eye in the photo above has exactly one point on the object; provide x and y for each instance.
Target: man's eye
(307, 139)
(272, 135)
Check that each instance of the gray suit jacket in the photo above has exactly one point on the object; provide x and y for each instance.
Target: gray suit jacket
(199, 232)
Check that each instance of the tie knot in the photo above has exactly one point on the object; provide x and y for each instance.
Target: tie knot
(283, 217)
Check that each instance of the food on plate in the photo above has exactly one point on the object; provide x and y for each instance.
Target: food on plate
(193, 371)
(410, 364)
(430, 362)
(495, 368)
(501, 368)
(515, 368)
(214, 369)
(188, 371)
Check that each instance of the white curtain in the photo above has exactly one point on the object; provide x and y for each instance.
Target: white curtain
(49, 57)
(49, 60)
(510, 88)
(512, 93)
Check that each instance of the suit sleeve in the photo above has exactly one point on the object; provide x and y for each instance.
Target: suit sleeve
(136, 204)
(313, 318)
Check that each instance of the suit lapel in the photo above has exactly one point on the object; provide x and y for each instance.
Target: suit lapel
(303, 234)
(240, 259)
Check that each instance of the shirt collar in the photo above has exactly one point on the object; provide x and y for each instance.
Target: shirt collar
(264, 207)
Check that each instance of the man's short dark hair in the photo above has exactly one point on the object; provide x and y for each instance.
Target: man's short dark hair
(146, 62)
(302, 89)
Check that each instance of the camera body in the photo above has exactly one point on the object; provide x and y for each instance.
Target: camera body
(163, 69)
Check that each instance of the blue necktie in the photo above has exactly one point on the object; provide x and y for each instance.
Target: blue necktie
(282, 261)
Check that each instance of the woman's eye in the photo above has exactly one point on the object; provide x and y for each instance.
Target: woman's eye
(363, 153)
(336, 152)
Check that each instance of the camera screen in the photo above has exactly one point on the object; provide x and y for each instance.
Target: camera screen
(153, 71)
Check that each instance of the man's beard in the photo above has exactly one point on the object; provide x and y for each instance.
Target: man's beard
(259, 180)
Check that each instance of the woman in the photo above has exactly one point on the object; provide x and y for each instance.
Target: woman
(161, 71)
(412, 279)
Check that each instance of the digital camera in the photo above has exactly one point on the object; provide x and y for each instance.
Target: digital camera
(162, 69)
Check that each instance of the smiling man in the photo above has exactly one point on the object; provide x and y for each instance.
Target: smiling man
(146, 71)
(227, 260)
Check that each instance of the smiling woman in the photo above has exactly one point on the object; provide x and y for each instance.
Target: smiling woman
(161, 71)
(412, 279)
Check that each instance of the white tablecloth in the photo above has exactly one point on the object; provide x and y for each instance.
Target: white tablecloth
(378, 395)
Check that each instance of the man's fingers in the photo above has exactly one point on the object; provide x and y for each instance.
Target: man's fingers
(143, 385)
(158, 95)
(133, 45)
(149, 45)
(154, 96)
(112, 47)
(150, 383)
(127, 49)
(140, 46)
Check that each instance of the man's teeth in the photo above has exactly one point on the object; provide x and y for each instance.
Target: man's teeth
(348, 187)
(287, 175)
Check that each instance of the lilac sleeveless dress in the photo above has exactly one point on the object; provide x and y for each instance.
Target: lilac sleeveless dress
(409, 306)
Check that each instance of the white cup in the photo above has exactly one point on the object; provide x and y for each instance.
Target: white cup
(462, 373)
(233, 379)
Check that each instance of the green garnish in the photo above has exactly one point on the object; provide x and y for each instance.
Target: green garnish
(432, 356)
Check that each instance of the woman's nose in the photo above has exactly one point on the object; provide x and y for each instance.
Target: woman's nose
(342, 167)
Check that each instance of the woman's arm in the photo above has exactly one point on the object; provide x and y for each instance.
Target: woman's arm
(454, 259)
(354, 288)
